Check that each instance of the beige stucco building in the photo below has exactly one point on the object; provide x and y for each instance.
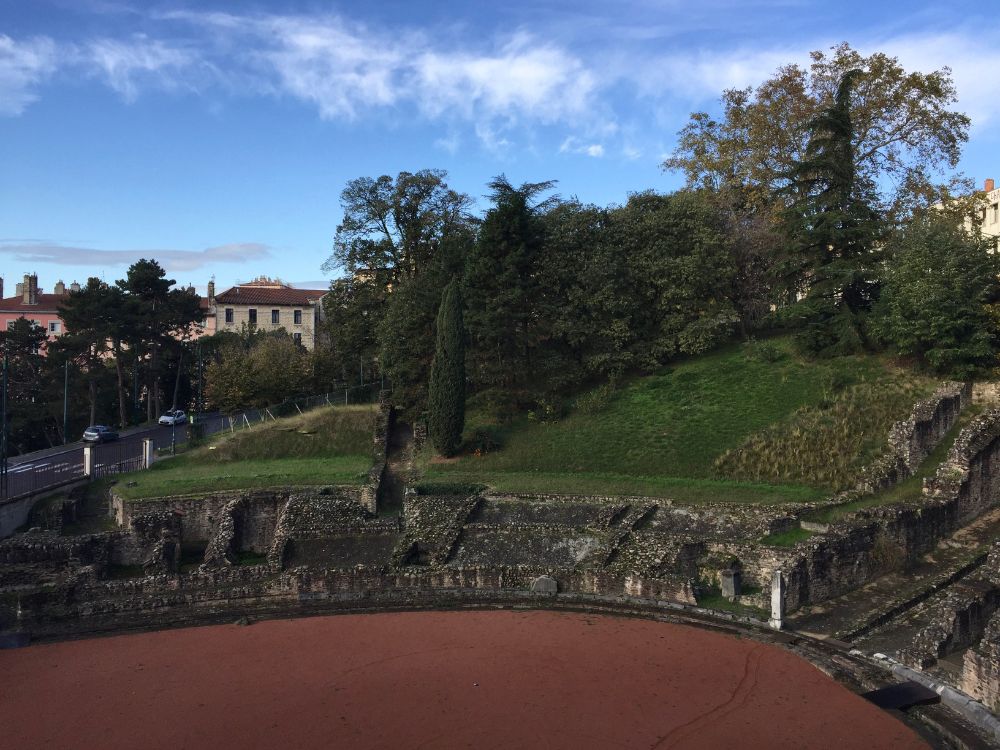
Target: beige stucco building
(269, 304)
(990, 213)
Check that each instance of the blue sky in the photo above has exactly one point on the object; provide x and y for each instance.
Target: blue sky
(217, 137)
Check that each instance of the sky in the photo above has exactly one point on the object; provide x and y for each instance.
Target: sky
(217, 137)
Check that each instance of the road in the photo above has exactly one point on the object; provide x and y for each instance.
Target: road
(44, 468)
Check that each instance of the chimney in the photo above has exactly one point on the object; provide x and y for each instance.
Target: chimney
(989, 185)
(74, 287)
(29, 295)
(60, 288)
(19, 288)
(211, 292)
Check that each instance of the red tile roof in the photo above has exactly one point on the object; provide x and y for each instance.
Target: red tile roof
(47, 303)
(260, 295)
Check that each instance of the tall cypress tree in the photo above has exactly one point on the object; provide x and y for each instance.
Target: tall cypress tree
(446, 396)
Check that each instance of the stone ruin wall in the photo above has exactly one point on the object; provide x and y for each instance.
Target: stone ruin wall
(91, 605)
(384, 421)
(980, 676)
(877, 540)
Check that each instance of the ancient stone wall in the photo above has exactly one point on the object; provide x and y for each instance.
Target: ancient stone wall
(874, 541)
(384, 421)
(980, 676)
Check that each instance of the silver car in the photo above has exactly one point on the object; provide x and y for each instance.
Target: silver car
(99, 433)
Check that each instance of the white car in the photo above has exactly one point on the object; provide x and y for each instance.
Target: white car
(173, 417)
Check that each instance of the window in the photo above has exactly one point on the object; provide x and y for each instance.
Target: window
(253, 316)
(229, 315)
(275, 317)
(995, 213)
(298, 338)
(55, 326)
(297, 317)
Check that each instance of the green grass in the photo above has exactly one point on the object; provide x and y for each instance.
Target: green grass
(661, 435)
(185, 475)
(787, 538)
(328, 446)
(712, 598)
(611, 484)
(910, 489)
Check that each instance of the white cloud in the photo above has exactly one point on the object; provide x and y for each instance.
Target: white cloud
(573, 145)
(126, 64)
(23, 66)
(173, 260)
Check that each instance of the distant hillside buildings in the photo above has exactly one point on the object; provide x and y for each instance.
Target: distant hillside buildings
(267, 303)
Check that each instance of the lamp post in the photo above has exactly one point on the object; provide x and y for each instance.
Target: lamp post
(3, 431)
(66, 402)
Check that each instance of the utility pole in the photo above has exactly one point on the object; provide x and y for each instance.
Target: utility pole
(3, 432)
(66, 402)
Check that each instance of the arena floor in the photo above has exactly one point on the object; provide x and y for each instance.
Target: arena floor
(498, 679)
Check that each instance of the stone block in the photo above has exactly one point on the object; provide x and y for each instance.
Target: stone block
(732, 583)
(545, 585)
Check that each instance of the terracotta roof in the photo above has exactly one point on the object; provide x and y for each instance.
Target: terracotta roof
(47, 303)
(258, 295)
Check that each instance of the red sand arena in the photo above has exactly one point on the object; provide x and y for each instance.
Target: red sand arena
(503, 679)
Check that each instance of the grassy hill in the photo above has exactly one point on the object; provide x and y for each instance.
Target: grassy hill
(327, 446)
(751, 423)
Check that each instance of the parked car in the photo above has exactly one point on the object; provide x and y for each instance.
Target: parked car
(175, 416)
(99, 433)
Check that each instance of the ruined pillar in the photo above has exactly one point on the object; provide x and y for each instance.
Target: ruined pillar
(777, 600)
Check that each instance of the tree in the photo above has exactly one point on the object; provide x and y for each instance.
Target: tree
(392, 228)
(22, 344)
(446, 393)
(502, 287)
(832, 230)
(153, 316)
(92, 316)
(937, 300)
(904, 129)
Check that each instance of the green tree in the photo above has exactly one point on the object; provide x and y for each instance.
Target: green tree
(391, 247)
(833, 232)
(905, 130)
(502, 287)
(446, 397)
(937, 300)
(22, 344)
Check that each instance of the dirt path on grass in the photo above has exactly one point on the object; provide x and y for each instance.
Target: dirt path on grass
(396, 467)
(507, 679)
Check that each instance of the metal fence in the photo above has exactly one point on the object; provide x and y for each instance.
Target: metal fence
(35, 476)
(117, 458)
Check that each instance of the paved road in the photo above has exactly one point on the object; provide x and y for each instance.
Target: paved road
(51, 466)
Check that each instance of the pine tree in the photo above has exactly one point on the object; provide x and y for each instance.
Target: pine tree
(446, 397)
(834, 232)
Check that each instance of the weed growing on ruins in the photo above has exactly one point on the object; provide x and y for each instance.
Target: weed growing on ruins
(910, 489)
(787, 538)
(826, 444)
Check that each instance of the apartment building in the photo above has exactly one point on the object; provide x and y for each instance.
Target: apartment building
(269, 304)
(32, 302)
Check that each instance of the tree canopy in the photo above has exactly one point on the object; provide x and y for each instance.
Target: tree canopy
(905, 129)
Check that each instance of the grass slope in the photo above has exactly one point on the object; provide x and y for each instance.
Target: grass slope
(327, 446)
(662, 435)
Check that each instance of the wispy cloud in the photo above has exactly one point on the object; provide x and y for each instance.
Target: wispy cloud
(173, 260)
(23, 66)
(128, 65)
(573, 145)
